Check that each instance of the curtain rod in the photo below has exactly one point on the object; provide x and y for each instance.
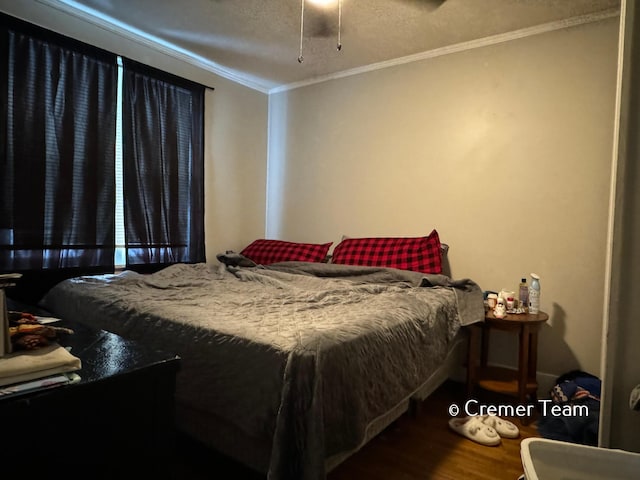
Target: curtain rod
(147, 69)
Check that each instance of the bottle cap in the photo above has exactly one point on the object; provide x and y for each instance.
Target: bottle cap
(533, 275)
(524, 280)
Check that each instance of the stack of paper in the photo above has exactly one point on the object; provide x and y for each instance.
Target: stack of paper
(9, 279)
(39, 384)
(32, 364)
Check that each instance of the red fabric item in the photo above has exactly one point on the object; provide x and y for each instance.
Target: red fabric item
(265, 251)
(419, 254)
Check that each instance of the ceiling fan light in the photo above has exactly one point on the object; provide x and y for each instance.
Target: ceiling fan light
(323, 3)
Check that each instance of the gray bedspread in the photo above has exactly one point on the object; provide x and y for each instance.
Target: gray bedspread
(301, 355)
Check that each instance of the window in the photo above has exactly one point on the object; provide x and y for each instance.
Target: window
(57, 136)
(102, 157)
(162, 152)
(120, 253)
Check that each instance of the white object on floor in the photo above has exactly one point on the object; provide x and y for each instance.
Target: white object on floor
(505, 428)
(475, 429)
(546, 459)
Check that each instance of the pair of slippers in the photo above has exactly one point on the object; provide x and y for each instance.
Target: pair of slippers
(484, 429)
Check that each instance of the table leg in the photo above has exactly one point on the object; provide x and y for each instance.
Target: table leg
(472, 354)
(523, 363)
(484, 352)
(533, 361)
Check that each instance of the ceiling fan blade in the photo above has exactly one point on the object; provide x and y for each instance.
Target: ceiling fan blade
(322, 27)
(426, 4)
(321, 22)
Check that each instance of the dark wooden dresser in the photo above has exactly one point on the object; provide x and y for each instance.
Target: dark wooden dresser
(117, 421)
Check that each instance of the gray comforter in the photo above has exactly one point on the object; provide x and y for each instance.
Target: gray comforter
(300, 355)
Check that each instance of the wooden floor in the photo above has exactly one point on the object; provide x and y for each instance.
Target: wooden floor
(413, 448)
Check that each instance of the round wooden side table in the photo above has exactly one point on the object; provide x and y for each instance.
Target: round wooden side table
(519, 383)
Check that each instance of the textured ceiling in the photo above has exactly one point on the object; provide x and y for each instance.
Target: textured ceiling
(257, 41)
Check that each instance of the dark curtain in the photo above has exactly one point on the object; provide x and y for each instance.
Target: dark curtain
(57, 151)
(163, 165)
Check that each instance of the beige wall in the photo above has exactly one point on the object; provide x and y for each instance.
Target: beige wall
(236, 173)
(235, 129)
(505, 150)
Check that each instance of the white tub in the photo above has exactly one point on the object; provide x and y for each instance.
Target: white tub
(545, 459)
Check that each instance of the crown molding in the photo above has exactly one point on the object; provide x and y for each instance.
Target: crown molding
(111, 25)
(459, 47)
(122, 30)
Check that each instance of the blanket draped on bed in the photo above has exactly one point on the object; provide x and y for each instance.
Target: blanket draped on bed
(302, 355)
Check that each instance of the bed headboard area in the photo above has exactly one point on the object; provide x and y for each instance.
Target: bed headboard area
(424, 254)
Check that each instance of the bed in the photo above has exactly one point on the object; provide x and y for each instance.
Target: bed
(288, 367)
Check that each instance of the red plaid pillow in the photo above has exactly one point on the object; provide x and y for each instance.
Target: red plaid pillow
(265, 252)
(420, 254)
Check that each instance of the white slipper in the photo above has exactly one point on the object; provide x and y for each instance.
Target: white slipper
(504, 427)
(475, 429)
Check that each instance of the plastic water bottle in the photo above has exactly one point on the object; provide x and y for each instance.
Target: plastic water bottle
(534, 294)
(523, 294)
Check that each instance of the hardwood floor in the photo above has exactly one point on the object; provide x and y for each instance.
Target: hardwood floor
(425, 447)
(420, 447)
